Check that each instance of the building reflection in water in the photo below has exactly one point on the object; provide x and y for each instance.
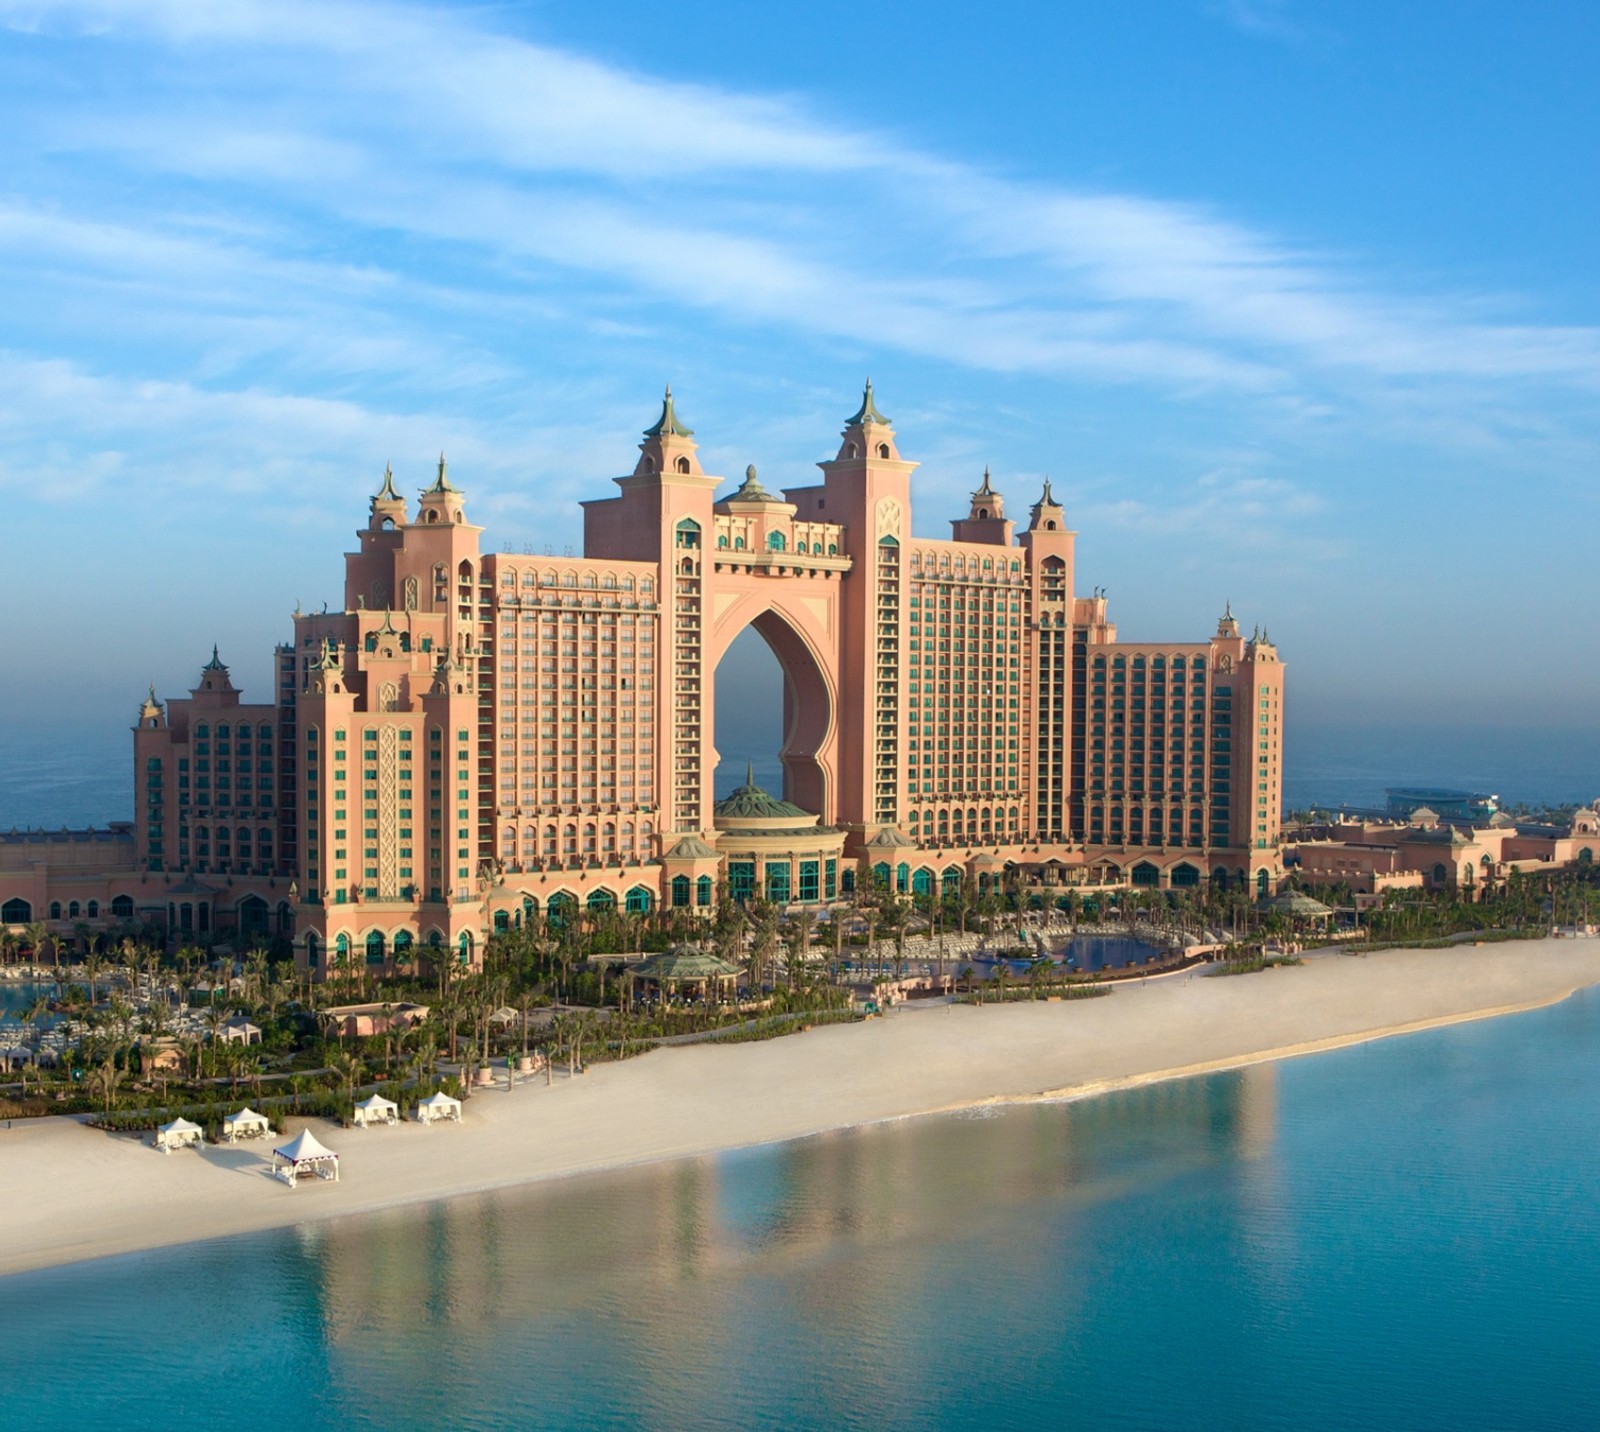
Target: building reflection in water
(652, 1276)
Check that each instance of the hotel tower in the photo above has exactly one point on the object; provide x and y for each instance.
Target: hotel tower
(479, 737)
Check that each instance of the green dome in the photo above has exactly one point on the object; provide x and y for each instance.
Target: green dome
(750, 802)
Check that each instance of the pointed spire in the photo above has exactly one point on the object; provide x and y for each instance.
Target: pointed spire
(387, 492)
(215, 664)
(1047, 498)
(984, 488)
(442, 482)
(750, 773)
(1227, 610)
(668, 424)
(867, 412)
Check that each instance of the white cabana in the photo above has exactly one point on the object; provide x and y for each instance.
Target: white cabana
(179, 1134)
(376, 1110)
(246, 1124)
(240, 1031)
(303, 1154)
(436, 1107)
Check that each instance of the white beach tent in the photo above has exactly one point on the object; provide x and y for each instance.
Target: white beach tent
(376, 1110)
(246, 1124)
(304, 1154)
(179, 1134)
(436, 1107)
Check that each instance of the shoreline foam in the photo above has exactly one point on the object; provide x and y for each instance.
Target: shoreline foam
(72, 1193)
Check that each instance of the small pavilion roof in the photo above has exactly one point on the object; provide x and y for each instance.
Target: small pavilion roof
(1296, 903)
(305, 1147)
(681, 963)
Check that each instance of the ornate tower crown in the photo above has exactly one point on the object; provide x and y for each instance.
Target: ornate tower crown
(442, 502)
(387, 503)
(669, 447)
(986, 502)
(867, 433)
(1048, 515)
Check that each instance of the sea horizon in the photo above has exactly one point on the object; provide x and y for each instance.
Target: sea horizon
(76, 774)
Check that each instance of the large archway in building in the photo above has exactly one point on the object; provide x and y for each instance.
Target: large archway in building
(808, 752)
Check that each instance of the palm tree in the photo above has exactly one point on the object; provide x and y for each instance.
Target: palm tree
(895, 914)
(34, 935)
(106, 1078)
(350, 1068)
(93, 967)
(764, 946)
(799, 934)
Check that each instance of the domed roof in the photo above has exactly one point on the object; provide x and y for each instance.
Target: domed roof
(750, 802)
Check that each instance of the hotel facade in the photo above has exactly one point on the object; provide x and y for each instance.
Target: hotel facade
(476, 738)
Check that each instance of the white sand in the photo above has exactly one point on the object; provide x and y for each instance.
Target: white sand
(71, 1193)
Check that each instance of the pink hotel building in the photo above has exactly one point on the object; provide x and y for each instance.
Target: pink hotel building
(478, 737)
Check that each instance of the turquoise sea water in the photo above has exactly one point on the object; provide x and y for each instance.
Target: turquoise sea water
(1402, 1235)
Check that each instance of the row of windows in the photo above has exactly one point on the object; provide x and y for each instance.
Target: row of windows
(20, 912)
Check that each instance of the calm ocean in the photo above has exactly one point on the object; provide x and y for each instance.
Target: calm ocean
(81, 774)
(1405, 1235)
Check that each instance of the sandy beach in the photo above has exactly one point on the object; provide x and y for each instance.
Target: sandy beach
(72, 1193)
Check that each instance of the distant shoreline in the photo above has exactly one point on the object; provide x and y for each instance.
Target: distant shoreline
(72, 1193)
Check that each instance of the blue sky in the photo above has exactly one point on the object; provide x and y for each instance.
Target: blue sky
(1297, 304)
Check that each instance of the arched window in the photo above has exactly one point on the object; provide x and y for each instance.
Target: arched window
(55, 909)
(681, 885)
(121, 907)
(703, 887)
(683, 464)
(20, 912)
(883, 449)
(776, 542)
(639, 900)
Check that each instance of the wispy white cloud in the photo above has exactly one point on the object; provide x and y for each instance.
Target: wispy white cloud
(475, 172)
(751, 207)
(1268, 19)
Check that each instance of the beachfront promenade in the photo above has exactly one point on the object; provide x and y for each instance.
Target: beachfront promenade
(73, 1193)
